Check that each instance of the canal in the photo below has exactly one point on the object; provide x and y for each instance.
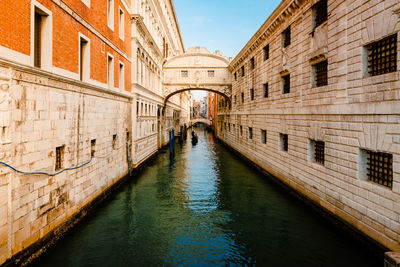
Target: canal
(206, 207)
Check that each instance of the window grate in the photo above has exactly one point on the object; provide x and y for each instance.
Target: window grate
(250, 133)
(184, 73)
(382, 56)
(380, 168)
(210, 73)
(286, 37)
(319, 155)
(242, 97)
(263, 136)
(321, 73)
(252, 63)
(59, 157)
(321, 12)
(242, 70)
(252, 94)
(286, 84)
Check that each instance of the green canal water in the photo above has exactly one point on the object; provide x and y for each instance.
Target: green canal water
(206, 207)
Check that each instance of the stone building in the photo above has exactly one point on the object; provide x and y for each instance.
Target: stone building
(315, 101)
(80, 84)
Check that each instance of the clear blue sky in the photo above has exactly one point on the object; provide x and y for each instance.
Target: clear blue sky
(224, 25)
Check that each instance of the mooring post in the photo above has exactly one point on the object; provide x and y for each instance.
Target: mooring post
(170, 141)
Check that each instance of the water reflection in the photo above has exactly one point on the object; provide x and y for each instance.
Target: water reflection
(205, 207)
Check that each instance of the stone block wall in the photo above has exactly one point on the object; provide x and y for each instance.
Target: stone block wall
(45, 111)
(354, 112)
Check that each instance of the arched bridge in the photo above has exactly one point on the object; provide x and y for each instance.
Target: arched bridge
(200, 120)
(197, 69)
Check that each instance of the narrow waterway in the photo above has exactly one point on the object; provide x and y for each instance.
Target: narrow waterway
(205, 207)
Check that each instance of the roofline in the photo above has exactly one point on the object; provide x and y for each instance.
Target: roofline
(177, 24)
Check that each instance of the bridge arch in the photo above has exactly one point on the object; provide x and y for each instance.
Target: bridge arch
(197, 69)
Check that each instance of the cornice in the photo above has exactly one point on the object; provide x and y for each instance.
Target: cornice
(136, 18)
(285, 9)
(199, 54)
(177, 24)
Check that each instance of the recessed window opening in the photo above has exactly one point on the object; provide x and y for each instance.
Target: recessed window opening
(59, 157)
(382, 56)
(250, 133)
(284, 142)
(83, 60)
(184, 73)
(92, 147)
(241, 130)
(114, 141)
(252, 63)
(242, 70)
(265, 90)
(379, 167)
(263, 136)
(210, 73)
(252, 94)
(110, 71)
(266, 52)
(320, 12)
(121, 76)
(110, 13)
(321, 73)
(286, 84)
(286, 37)
(242, 97)
(121, 24)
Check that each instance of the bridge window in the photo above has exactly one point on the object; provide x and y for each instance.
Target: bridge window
(263, 136)
(265, 89)
(252, 63)
(242, 97)
(286, 84)
(184, 73)
(250, 133)
(210, 73)
(242, 70)
(286, 36)
(266, 52)
(252, 94)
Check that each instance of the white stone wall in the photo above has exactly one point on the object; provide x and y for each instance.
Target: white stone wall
(47, 111)
(351, 113)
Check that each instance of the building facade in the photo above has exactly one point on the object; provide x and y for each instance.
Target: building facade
(80, 87)
(315, 101)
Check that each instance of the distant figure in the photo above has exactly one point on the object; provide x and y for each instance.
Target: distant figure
(194, 138)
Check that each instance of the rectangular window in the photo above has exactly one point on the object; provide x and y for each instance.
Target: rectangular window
(184, 73)
(229, 127)
(252, 94)
(321, 73)
(59, 157)
(121, 76)
(37, 39)
(263, 136)
(84, 64)
(92, 147)
(241, 130)
(114, 141)
(284, 142)
(110, 72)
(242, 97)
(286, 36)
(265, 90)
(382, 56)
(318, 151)
(110, 14)
(252, 63)
(286, 84)
(250, 133)
(266, 52)
(234, 99)
(242, 69)
(320, 12)
(210, 73)
(379, 167)
(235, 75)
(121, 24)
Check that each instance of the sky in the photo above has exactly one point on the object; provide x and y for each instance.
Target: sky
(225, 25)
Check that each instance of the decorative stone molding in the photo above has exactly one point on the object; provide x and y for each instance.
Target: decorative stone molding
(379, 26)
(374, 137)
(316, 131)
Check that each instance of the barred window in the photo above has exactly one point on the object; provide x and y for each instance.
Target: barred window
(184, 73)
(241, 130)
(251, 94)
(263, 136)
(320, 11)
(229, 127)
(252, 63)
(321, 73)
(266, 52)
(284, 142)
(59, 157)
(210, 73)
(235, 74)
(242, 97)
(250, 133)
(286, 36)
(382, 56)
(286, 84)
(380, 168)
(319, 152)
(242, 69)
(265, 87)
